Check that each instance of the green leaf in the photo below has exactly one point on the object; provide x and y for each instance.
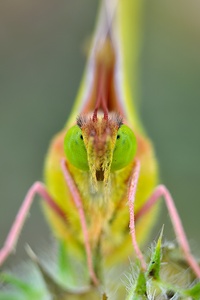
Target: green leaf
(25, 288)
(138, 292)
(194, 292)
(65, 272)
(140, 288)
(154, 265)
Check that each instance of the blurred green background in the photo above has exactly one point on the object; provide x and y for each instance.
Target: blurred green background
(41, 64)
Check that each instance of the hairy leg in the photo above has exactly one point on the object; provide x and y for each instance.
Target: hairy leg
(11, 240)
(131, 202)
(160, 191)
(78, 202)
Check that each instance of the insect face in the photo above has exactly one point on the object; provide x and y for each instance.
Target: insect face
(102, 146)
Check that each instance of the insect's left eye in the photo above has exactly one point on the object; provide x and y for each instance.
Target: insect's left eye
(74, 148)
(125, 148)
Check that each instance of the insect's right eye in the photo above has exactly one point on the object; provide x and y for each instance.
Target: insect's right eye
(74, 148)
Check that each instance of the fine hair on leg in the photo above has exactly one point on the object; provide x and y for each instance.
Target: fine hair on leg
(131, 201)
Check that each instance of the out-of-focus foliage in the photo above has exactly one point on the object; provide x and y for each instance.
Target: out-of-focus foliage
(167, 277)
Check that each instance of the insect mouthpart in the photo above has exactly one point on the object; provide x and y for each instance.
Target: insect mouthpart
(100, 175)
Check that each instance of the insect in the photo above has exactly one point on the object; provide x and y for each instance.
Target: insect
(100, 161)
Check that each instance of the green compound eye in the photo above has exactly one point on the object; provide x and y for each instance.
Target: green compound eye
(125, 148)
(74, 148)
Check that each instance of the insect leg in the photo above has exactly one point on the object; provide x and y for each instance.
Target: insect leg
(13, 235)
(78, 202)
(131, 201)
(162, 191)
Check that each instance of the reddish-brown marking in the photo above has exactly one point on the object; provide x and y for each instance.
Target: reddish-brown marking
(103, 95)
